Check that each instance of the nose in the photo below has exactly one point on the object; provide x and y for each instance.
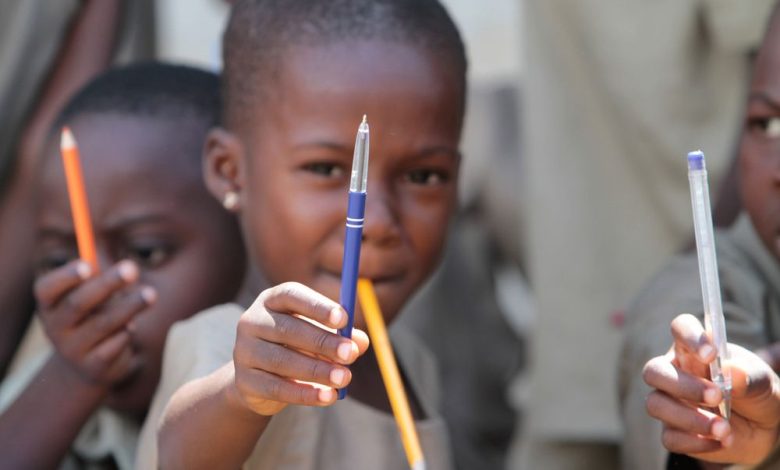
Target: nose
(381, 226)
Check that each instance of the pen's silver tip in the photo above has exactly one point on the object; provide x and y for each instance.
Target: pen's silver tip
(365, 119)
(725, 407)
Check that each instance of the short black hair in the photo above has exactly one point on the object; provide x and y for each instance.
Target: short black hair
(149, 89)
(260, 30)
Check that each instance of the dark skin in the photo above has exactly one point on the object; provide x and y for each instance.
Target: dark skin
(683, 393)
(291, 170)
(85, 52)
(167, 250)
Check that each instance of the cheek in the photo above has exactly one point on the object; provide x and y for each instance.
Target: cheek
(290, 234)
(427, 224)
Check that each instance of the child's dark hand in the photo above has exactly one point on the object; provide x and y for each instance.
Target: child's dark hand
(288, 352)
(684, 399)
(87, 318)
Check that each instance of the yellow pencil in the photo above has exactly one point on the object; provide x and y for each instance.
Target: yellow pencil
(377, 332)
(82, 222)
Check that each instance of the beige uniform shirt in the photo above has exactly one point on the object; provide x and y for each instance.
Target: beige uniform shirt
(750, 283)
(345, 435)
(615, 93)
(107, 438)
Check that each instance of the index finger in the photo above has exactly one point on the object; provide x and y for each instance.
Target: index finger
(295, 298)
(52, 286)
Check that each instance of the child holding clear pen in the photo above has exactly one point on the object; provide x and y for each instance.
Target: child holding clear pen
(748, 255)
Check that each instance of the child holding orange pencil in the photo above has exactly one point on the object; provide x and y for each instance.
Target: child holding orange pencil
(84, 376)
(298, 77)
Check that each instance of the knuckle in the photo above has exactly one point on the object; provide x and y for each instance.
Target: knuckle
(286, 289)
(303, 396)
(651, 404)
(40, 290)
(283, 326)
(275, 359)
(668, 439)
(102, 321)
(317, 370)
(71, 303)
(649, 370)
(274, 390)
(321, 340)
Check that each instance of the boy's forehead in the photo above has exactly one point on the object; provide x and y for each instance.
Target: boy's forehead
(767, 69)
(373, 77)
(373, 65)
(123, 155)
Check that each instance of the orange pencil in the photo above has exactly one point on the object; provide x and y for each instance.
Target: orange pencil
(377, 332)
(82, 222)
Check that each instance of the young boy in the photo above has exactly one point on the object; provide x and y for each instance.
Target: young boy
(748, 258)
(83, 378)
(299, 75)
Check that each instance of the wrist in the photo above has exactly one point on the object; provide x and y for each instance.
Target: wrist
(74, 380)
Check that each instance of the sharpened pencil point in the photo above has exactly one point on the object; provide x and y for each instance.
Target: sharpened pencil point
(67, 141)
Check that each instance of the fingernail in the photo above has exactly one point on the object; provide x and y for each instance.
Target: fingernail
(728, 441)
(337, 377)
(705, 351)
(325, 395)
(149, 294)
(344, 351)
(83, 269)
(127, 271)
(336, 316)
(720, 430)
(711, 396)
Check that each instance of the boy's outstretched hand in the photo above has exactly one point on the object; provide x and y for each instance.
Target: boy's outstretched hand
(288, 352)
(87, 318)
(686, 401)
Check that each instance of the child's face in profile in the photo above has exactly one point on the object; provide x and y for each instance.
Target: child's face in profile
(149, 205)
(760, 146)
(299, 158)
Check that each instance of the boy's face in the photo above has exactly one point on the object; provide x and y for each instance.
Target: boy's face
(298, 158)
(760, 146)
(148, 204)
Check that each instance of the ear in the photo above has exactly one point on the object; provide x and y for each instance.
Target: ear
(224, 168)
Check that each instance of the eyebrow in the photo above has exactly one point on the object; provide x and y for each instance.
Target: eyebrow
(766, 98)
(49, 231)
(440, 149)
(67, 231)
(319, 144)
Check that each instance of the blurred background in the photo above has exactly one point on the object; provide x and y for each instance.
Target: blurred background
(573, 186)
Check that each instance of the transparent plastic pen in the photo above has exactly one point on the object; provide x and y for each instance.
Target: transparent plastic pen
(356, 208)
(714, 322)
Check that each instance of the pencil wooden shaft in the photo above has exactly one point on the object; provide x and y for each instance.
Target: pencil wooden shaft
(389, 369)
(79, 207)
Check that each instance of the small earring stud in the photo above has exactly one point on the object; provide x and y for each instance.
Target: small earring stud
(230, 201)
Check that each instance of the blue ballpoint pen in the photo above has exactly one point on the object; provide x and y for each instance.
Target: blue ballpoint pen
(356, 208)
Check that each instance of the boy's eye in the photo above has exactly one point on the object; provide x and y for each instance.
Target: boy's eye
(768, 127)
(426, 177)
(149, 255)
(329, 170)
